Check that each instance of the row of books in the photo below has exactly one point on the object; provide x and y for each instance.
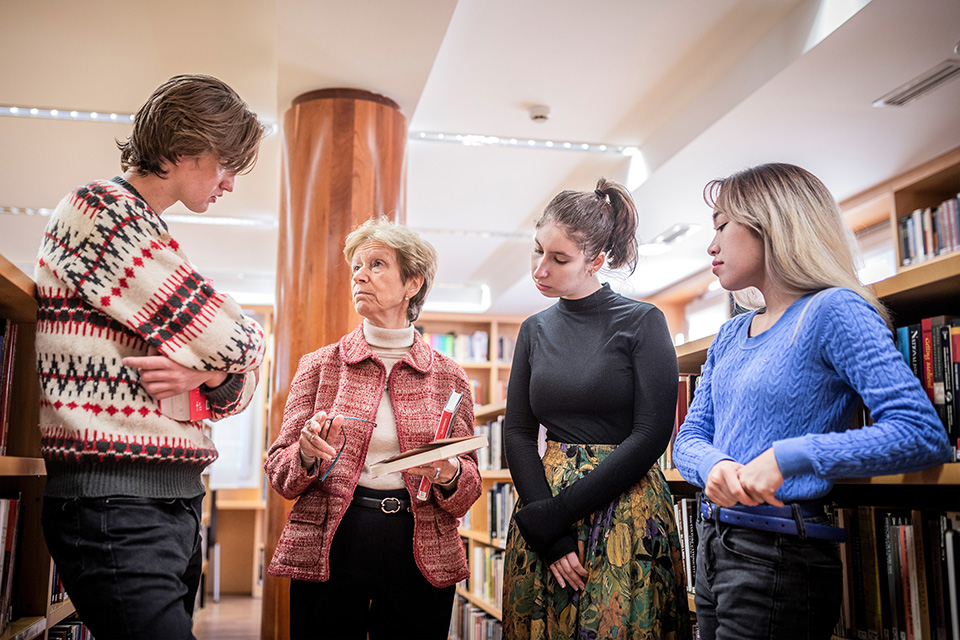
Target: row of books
(8, 344)
(501, 499)
(930, 232)
(10, 527)
(932, 350)
(70, 629)
(900, 572)
(685, 513)
(470, 623)
(491, 458)
(486, 577)
(687, 386)
(58, 592)
(471, 347)
(498, 393)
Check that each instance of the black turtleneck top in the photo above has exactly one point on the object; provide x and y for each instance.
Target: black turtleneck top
(598, 370)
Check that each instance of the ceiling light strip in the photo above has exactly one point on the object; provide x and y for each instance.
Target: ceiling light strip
(16, 111)
(475, 140)
(64, 114)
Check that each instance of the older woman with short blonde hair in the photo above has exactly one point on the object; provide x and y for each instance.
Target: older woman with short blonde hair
(364, 555)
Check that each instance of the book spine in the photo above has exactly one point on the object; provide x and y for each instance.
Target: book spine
(871, 573)
(927, 355)
(446, 417)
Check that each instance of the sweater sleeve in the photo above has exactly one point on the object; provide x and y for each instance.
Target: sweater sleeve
(521, 432)
(521, 429)
(693, 450)
(285, 473)
(118, 256)
(906, 434)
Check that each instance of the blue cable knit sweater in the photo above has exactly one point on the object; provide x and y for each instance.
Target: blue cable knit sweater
(794, 387)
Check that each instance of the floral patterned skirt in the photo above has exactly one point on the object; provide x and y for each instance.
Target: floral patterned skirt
(631, 551)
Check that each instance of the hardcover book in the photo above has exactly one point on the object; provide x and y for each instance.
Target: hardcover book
(425, 454)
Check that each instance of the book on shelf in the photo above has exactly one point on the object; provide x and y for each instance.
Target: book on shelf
(72, 628)
(427, 453)
(10, 544)
(929, 232)
(501, 499)
(897, 582)
(932, 350)
(491, 458)
(462, 347)
(472, 623)
(8, 345)
(685, 513)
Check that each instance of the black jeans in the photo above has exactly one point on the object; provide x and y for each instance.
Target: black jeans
(131, 566)
(757, 585)
(375, 585)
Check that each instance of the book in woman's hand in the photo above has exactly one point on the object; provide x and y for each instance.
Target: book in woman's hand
(425, 454)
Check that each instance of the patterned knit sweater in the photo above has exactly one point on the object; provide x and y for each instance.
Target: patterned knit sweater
(794, 387)
(112, 282)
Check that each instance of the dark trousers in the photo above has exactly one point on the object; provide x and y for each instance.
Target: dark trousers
(757, 585)
(375, 585)
(131, 566)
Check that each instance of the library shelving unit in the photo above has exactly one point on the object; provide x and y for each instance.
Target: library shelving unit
(22, 470)
(492, 374)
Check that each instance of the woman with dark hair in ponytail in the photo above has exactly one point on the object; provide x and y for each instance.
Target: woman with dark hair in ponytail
(593, 550)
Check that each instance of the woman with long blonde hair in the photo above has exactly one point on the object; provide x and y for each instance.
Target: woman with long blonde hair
(767, 433)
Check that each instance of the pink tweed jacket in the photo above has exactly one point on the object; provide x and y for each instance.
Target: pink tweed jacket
(347, 378)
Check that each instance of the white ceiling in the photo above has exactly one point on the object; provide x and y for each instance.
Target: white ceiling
(701, 87)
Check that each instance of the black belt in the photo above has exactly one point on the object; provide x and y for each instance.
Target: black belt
(775, 520)
(387, 505)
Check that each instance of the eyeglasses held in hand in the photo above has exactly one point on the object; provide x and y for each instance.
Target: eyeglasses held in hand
(343, 440)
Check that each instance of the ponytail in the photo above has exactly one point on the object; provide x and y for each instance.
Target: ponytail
(602, 220)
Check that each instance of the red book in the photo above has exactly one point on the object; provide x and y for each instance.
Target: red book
(191, 405)
(446, 417)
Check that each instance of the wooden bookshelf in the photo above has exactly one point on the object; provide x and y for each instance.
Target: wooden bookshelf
(479, 602)
(22, 470)
(492, 374)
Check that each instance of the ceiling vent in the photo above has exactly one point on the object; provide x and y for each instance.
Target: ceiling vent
(920, 85)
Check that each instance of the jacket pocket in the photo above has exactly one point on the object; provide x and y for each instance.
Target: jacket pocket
(301, 542)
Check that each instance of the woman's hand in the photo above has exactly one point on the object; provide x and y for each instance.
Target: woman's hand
(568, 570)
(314, 439)
(438, 471)
(761, 477)
(723, 485)
(163, 378)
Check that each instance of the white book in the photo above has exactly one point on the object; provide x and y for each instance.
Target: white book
(430, 452)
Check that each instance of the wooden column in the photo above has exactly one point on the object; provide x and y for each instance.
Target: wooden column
(343, 163)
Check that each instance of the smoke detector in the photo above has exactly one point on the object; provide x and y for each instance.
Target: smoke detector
(539, 113)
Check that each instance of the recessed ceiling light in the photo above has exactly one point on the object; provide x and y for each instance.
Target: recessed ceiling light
(479, 140)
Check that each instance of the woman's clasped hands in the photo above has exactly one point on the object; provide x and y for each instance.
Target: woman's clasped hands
(730, 483)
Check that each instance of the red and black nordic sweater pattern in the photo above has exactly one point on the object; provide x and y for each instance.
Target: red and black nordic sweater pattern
(112, 282)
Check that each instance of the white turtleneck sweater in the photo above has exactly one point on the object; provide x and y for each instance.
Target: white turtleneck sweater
(390, 345)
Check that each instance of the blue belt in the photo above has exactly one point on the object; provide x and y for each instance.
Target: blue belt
(775, 519)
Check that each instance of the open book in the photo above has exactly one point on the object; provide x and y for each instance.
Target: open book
(430, 452)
